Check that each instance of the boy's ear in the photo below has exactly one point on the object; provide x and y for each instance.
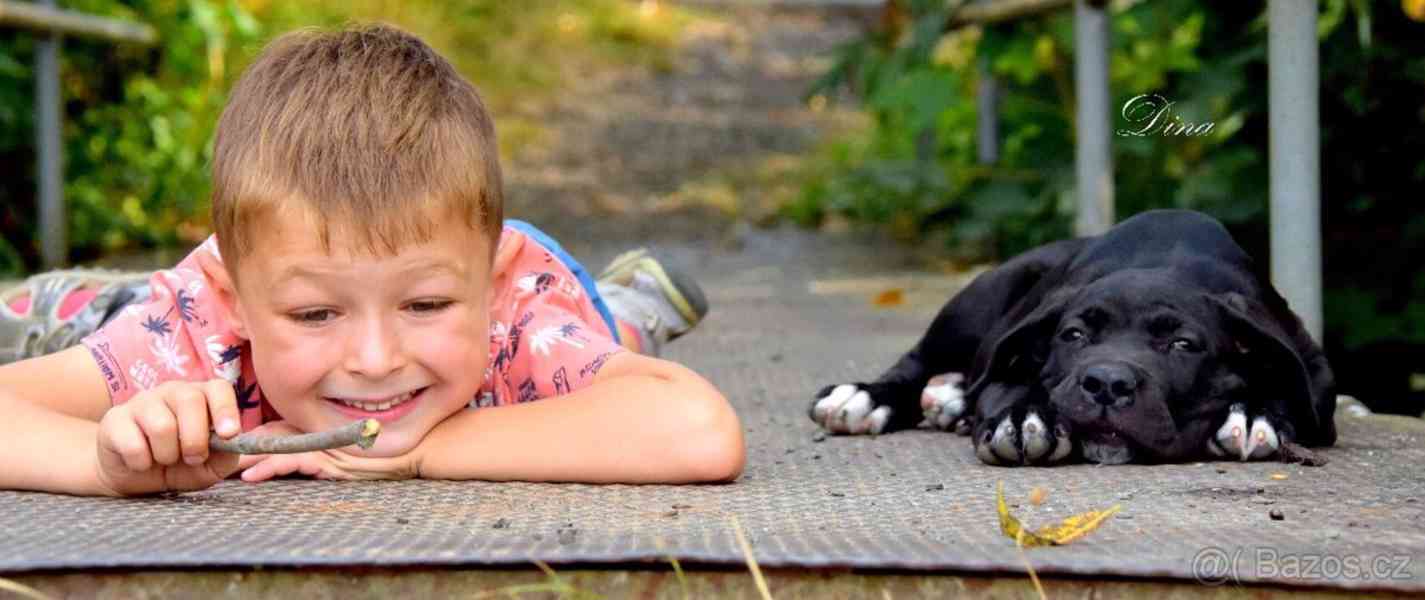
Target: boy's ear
(224, 289)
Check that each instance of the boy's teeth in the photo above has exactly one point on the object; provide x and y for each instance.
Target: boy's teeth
(378, 406)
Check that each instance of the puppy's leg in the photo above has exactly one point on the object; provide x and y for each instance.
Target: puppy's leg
(1256, 438)
(904, 395)
(1014, 428)
(884, 405)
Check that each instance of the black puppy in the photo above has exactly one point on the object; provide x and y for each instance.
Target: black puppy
(1157, 341)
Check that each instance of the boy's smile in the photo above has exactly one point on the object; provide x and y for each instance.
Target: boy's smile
(348, 334)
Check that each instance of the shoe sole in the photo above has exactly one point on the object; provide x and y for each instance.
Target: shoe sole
(686, 295)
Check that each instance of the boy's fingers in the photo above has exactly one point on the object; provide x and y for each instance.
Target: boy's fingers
(222, 405)
(160, 427)
(127, 440)
(223, 464)
(190, 410)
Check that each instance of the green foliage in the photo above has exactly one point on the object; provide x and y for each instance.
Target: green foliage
(138, 122)
(917, 160)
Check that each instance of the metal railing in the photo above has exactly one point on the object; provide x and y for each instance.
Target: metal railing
(49, 24)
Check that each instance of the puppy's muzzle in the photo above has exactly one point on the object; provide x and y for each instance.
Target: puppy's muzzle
(1109, 384)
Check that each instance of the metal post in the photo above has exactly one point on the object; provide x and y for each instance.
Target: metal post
(987, 103)
(1294, 114)
(53, 245)
(1093, 161)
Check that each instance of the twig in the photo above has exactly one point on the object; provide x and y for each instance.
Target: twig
(362, 433)
(751, 562)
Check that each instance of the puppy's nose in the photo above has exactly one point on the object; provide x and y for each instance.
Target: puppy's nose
(1109, 384)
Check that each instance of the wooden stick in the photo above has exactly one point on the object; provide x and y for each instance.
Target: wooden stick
(362, 433)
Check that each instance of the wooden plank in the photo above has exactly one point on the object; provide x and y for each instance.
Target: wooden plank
(43, 19)
(994, 11)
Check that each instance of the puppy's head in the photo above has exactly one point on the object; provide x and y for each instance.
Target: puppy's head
(1143, 367)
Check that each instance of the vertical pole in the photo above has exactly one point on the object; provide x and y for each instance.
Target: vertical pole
(1092, 159)
(50, 174)
(987, 103)
(1295, 157)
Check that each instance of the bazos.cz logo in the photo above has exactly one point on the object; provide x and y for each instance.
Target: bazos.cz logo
(1215, 566)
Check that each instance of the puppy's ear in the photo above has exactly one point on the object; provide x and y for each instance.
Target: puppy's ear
(1282, 364)
(1018, 354)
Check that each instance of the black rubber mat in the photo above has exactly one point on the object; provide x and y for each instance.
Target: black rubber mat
(914, 500)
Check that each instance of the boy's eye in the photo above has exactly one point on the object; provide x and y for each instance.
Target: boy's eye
(428, 306)
(312, 317)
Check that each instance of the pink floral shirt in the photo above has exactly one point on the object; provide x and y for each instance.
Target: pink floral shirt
(546, 337)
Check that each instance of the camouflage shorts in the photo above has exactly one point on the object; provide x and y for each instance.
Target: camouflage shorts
(39, 330)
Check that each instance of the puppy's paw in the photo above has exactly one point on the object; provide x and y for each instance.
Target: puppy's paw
(943, 403)
(1034, 439)
(848, 408)
(1237, 439)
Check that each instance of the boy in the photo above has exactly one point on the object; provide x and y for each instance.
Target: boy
(361, 268)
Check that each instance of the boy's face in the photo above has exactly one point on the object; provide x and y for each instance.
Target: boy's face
(344, 335)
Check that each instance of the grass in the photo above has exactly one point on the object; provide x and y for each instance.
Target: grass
(556, 585)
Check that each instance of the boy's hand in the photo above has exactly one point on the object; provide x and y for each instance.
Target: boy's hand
(323, 464)
(158, 440)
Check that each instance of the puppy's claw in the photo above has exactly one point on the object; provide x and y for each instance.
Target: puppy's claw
(1237, 440)
(943, 400)
(847, 409)
(1262, 440)
(1004, 443)
(832, 401)
(1036, 437)
(1063, 445)
(1030, 441)
(1231, 437)
(983, 450)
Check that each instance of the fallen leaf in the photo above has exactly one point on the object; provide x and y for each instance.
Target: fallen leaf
(889, 298)
(1278, 476)
(1415, 9)
(1067, 531)
(1037, 496)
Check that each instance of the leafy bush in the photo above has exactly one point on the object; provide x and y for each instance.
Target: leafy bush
(917, 161)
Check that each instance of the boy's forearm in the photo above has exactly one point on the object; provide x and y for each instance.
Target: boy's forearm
(47, 451)
(628, 429)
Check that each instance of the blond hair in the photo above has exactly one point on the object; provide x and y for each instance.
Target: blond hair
(366, 128)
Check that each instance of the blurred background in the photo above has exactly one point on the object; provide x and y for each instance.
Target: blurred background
(891, 91)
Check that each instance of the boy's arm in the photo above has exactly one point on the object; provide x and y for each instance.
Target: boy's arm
(641, 420)
(51, 406)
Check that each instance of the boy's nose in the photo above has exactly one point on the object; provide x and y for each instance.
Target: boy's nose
(375, 351)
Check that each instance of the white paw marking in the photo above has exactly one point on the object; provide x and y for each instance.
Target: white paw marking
(850, 410)
(1031, 442)
(943, 400)
(1036, 437)
(1236, 439)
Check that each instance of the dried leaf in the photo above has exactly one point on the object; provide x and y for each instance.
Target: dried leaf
(1067, 531)
(889, 298)
(1415, 9)
(1037, 496)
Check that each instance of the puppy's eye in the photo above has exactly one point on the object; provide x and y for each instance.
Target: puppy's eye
(1184, 345)
(1072, 334)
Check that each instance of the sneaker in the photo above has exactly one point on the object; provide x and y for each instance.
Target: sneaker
(665, 302)
(53, 311)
